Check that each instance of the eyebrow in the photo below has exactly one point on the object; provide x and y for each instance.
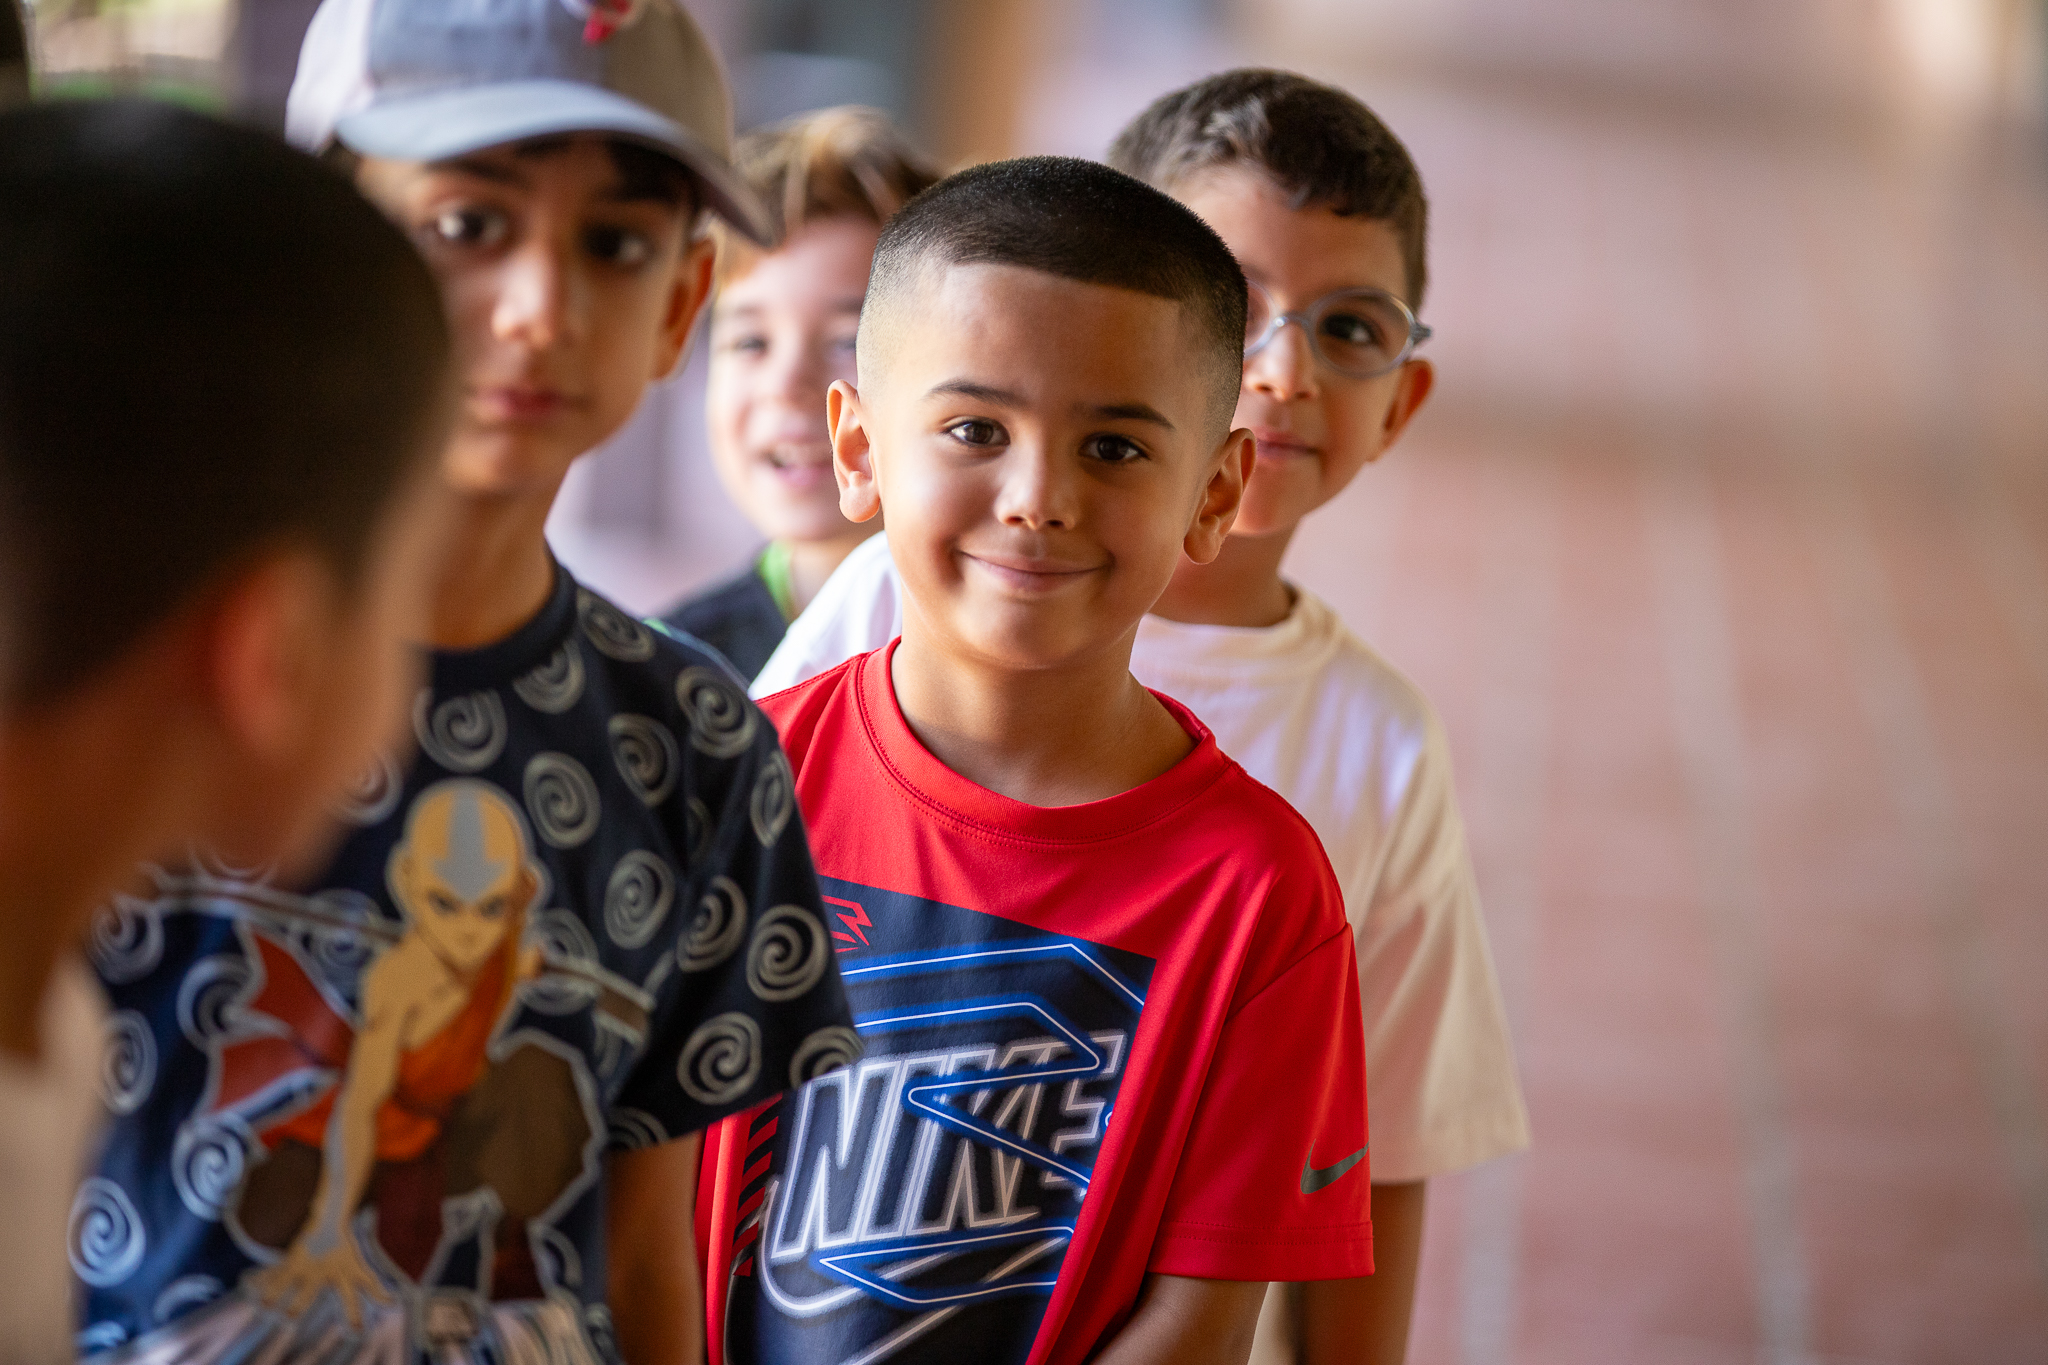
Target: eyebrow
(1134, 412)
(982, 393)
(498, 173)
(846, 305)
(989, 393)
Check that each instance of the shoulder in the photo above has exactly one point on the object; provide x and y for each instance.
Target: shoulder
(738, 618)
(857, 610)
(867, 570)
(741, 598)
(1379, 726)
(1261, 823)
(671, 706)
(1281, 873)
(802, 714)
(860, 595)
(638, 653)
(1273, 852)
(1359, 681)
(385, 979)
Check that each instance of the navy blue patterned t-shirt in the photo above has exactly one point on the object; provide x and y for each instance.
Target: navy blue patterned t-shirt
(370, 1122)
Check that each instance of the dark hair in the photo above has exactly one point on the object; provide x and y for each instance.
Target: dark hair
(644, 173)
(844, 162)
(13, 52)
(1319, 144)
(1081, 221)
(208, 344)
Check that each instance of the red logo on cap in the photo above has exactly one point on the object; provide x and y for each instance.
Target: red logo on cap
(602, 18)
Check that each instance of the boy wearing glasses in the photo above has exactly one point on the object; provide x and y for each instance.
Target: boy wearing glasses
(1323, 207)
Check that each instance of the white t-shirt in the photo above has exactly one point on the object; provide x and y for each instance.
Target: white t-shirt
(49, 1115)
(1354, 746)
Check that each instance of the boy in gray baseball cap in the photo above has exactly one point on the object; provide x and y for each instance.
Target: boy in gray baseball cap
(442, 1101)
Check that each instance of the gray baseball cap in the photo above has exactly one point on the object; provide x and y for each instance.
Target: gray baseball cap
(425, 80)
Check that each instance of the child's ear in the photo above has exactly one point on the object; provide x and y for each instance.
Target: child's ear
(1221, 497)
(1418, 379)
(266, 643)
(692, 286)
(853, 454)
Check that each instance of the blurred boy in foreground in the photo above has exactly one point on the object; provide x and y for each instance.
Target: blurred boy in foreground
(442, 1098)
(207, 569)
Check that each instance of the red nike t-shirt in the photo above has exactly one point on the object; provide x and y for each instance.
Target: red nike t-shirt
(1102, 1040)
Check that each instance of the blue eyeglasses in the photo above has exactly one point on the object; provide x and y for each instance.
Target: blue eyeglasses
(1362, 333)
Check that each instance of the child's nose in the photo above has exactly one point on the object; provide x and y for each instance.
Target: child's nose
(540, 298)
(1037, 493)
(1285, 367)
(796, 375)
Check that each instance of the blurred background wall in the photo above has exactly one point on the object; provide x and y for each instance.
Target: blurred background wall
(1723, 550)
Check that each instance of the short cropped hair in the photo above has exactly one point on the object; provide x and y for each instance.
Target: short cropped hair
(1077, 220)
(209, 345)
(1321, 145)
(845, 162)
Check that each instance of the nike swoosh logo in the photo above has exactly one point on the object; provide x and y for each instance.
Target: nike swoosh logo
(1313, 1179)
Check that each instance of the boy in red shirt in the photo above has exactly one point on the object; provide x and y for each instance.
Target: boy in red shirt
(1115, 1073)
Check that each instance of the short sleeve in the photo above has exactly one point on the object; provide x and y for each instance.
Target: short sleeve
(1275, 1180)
(858, 610)
(757, 1007)
(1445, 1095)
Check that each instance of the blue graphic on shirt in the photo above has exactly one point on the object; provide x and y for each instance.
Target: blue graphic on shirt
(922, 1202)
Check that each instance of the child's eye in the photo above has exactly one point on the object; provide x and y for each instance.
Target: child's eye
(472, 227)
(976, 431)
(744, 343)
(1351, 329)
(619, 246)
(1114, 449)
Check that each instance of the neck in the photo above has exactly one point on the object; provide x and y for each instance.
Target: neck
(1019, 732)
(82, 804)
(496, 570)
(1240, 587)
(811, 562)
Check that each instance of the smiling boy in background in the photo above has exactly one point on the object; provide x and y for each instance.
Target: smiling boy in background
(782, 328)
(1324, 208)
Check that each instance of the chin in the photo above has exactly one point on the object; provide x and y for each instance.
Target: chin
(1022, 649)
(504, 465)
(1267, 516)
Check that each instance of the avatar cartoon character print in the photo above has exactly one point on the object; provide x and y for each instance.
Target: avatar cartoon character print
(585, 921)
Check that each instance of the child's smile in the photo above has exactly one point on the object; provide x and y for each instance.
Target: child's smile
(1044, 449)
(780, 334)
